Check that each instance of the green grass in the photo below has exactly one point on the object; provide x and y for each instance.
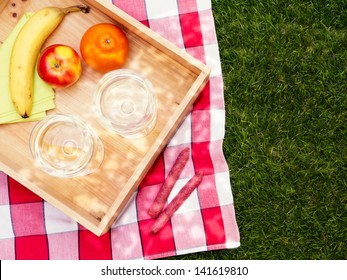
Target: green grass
(285, 72)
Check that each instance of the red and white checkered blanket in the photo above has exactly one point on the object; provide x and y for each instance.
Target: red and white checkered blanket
(31, 228)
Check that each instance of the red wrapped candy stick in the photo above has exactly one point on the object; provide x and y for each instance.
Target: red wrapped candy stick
(178, 200)
(169, 182)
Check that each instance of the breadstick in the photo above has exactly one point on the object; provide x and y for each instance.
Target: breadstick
(169, 182)
(178, 200)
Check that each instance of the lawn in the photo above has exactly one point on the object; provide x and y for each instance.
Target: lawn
(285, 72)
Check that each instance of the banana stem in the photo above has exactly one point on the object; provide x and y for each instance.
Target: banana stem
(78, 8)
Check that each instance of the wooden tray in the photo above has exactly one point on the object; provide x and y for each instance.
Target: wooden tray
(96, 200)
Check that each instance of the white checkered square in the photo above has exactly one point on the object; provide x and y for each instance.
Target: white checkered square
(213, 59)
(208, 29)
(217, 124)
(188, 230)
(6, 230)
(224, 189)
(126, 235)
(203, 5)
(129, 213)
(217, 98)
(160, 9)
(184, 133)
(192, 202)
(56, 221)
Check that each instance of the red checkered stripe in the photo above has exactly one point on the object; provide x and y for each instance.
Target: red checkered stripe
(36, 230)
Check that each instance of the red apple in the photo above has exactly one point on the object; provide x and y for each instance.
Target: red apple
(59, 65)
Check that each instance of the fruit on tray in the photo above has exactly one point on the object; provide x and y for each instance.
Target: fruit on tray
(59, 66)
(26, 50)
(43, 99)
(104, 47)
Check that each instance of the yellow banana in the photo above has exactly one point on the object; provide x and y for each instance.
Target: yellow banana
(26, 50)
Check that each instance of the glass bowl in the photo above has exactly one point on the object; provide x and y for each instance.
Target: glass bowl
(125, 102)
(65, 146)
